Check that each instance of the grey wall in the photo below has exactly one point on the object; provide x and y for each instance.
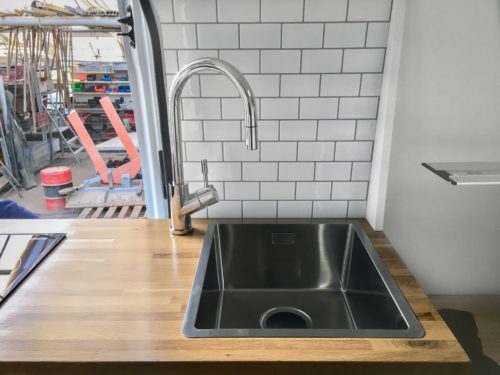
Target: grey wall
(448, 109)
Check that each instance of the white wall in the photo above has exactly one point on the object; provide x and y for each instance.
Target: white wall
(448, 110)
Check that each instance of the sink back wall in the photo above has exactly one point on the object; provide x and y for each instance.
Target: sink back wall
(315, 67)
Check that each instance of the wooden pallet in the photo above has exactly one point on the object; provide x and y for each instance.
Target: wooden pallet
(115, 212)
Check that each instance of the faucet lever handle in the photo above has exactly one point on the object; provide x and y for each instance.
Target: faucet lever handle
(204, 171)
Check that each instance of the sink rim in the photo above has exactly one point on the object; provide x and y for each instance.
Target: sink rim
(414, 330)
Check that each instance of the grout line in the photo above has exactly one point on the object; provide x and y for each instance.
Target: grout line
(366, 34)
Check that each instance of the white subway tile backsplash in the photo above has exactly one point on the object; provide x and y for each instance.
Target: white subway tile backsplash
(170, 58)
(232, 109)
(178, 36)
(237, 151)
(371, 84)
(333, 171)
(260, 35)
(191, 88)
(200, 109)
(278, 151)
(298, 130)
(260, 171)
(363, 60)
(238, 10)
(187, 56)
(280, 61)
(361, 108)
(215, 85)
(217, 36)
(302, 35)
(163, 9)
(217, 171)
(241, 190)
(260, 209)
(282, 10)
(336, 130)
(369, 10)
(279, 108)
(353, 151)
(365, 130)
(246, 61)
(264, 85)
(294, 209)
(192, 131)
(203, 214)
(203, 150)
(296, 171)
(194, 11)
(349, 190)
(316, 151)
(318, 108)
(378, 33)
(325, 10)
(345, 35)
(321, 61)
(267, 130)
(277, 190)
(330, 209)
(340, 84)
(225, 130)
(313, 190)
(357, 209)
(361, 171)
(223, 209)
(300, 85)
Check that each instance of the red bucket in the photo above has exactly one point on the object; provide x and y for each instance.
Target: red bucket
(53, 180)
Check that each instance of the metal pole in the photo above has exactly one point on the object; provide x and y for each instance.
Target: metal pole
(59, 21)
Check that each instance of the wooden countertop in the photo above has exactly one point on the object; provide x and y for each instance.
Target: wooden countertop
(112, 298)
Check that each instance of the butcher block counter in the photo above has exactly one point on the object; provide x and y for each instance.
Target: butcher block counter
(111, 299)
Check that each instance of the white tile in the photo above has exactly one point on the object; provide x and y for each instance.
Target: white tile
(217, 36)
(178, 36)
(279, 108)
(296, 171)
(369, 10)
(204, 150)
(281, 10)
(300, 85)
(264, 84)
(318, 108)
(363, 60)
(365, 130)
(190, 90)
(321, 61)
(277, 190)
(325, 10)
(222, 209)
(378, 33)
(330, 209)
(371, 84)
(217, 171)
(302, 35)
(353, 151)
(260, 36)
(357, 210)
(238, 10)
(221, 130)
(200, 214)
(280, 61)
(267, 130)
(260, 209)
(358, 108)
(278, 151)
(298, 130)
(192, 131)
(241, 190)
(349, 190)
(163, 8)
(237, 151)
(336, 130)
(246, 61)
(170, 61)
(313, 190)
(316, 151)
(361, 171)
(340, 84)
(194, 11)
(232, 109)
(187, 56)
(215, 85)
(294, 209)
(333, 171)
(201, 108)
(345, 35)
(260, 171)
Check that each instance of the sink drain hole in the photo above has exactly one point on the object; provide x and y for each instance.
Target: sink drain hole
(285, 317)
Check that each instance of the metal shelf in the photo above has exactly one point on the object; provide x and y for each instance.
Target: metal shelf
(102, 93)
(467, 173)
(109, 82)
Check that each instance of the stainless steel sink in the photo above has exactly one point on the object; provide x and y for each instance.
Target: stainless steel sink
(294, 280)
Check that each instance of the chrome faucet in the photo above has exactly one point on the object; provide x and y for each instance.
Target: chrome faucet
(183, 204)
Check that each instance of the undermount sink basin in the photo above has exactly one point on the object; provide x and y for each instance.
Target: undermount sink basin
(294, 280)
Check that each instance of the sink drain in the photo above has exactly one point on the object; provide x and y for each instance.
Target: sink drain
(285, 317)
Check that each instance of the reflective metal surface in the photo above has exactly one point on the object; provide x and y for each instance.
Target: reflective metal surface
(20, 254)
(304, 280)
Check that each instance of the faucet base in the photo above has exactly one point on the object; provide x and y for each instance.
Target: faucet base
(182, 232)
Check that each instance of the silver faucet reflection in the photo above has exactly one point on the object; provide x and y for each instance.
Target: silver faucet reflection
(183, 204)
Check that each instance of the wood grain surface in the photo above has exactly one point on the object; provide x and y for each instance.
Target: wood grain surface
(112, 297)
